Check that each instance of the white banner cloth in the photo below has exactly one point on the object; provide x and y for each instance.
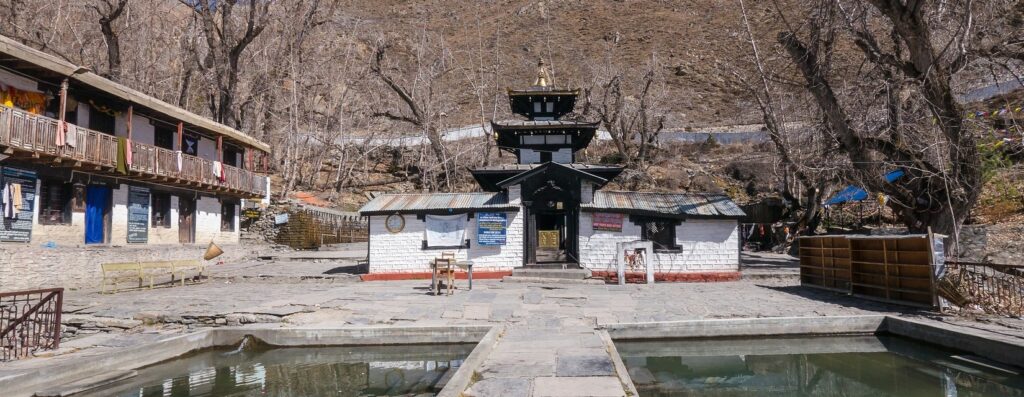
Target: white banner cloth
(446, 230)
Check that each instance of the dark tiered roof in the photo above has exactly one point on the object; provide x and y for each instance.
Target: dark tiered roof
(492, 178)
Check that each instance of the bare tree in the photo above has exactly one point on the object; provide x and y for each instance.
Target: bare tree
(421, 104)
(913, 54)
(632, 118)
(109, 11)
(227, 36)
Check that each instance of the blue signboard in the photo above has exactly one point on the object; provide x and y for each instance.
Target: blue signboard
(491, 228)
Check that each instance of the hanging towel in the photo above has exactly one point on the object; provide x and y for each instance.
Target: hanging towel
(178, 155)
(122, 168)
(62, 133)
(6, 204)
(16, 198)
(72, 135)
(128, 152)
(216, 170)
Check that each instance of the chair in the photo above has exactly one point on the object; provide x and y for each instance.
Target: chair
(445, 266)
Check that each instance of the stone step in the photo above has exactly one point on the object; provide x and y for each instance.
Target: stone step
(571, 274)
(546, 280)
(552, 265)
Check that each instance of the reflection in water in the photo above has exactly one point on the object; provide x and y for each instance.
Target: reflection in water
(848, 367)
(305, 371)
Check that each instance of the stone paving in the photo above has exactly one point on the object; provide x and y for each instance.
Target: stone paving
(550, 345)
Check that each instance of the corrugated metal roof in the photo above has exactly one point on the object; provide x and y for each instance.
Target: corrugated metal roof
(542, 123)
(426, 202)
(527, 167)
(708, 205)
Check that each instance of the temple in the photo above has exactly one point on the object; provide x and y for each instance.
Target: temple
(549, 210)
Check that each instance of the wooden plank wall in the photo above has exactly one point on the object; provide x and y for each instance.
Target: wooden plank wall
(889, 269)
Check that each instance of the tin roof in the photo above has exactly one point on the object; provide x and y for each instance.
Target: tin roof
(436, 203)
(540, 124)
(683, 205)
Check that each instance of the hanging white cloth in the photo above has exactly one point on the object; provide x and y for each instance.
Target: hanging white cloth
(178, 155)
(6, 204)
(446, 230)
(72, 135)
(216, 169)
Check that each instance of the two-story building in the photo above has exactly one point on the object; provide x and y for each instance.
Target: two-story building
(548, 210)
(85, 160)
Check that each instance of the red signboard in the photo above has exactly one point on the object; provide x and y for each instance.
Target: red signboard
(608, 222)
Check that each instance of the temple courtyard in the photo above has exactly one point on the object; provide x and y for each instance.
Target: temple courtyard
(550, 339)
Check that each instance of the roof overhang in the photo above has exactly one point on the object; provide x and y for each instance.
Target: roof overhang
(555, 167)
(52, 64)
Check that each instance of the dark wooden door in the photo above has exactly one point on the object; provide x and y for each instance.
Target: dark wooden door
(186, 220)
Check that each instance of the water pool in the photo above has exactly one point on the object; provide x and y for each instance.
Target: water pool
(812, 366)
(298, 371)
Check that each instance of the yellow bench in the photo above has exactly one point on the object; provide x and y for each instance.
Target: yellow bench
(139, 271)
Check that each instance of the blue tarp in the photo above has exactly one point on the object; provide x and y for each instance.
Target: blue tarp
(854, 193)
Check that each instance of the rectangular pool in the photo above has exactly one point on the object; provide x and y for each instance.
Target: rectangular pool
(298, 371)
(852, 366)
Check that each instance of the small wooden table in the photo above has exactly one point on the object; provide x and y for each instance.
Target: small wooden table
(435, 285)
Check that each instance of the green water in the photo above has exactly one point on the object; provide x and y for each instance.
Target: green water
(834, 366)
(294, 372)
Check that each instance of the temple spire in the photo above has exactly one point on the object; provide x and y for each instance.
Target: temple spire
(543, 79)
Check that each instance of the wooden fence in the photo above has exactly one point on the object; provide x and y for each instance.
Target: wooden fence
(895, 269)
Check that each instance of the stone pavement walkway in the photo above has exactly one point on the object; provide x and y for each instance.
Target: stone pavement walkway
(551, 335)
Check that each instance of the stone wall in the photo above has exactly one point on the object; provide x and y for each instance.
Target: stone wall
(403, 252)
(707, 246)
(1001, 243)
(24, 266)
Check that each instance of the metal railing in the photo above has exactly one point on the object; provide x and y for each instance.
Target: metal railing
(38, 134)
(993, 288)
(29, 322)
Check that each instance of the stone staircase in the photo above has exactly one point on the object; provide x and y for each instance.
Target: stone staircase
(551, 273)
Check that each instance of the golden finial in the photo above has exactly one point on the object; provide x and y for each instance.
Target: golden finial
(542, 75)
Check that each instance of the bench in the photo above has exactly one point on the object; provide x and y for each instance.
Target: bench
(113, 273)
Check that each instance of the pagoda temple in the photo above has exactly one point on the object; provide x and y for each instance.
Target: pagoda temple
(549, 210)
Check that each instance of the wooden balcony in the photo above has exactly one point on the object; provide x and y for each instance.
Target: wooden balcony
(36, 136)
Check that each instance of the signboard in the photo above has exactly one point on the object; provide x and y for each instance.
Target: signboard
(491, 228)
(252, 213)
(607, 222)
(281, 219)
(138, 215)
(548, 239)
(19, 227)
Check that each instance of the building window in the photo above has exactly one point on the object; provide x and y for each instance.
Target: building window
(227, 216)
(660, 232)
(161, 210)
(164, 137)
(55, 202)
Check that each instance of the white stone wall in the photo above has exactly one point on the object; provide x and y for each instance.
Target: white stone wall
(208, 223)
(31, 266)
(403, 252)
(562, 156)
(528, 156)
(707, 246)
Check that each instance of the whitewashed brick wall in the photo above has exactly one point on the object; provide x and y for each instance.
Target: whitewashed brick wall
(403, 252)
(707, 246)
(208, 223)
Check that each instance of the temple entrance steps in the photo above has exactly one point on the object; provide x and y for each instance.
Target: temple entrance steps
(551, 274)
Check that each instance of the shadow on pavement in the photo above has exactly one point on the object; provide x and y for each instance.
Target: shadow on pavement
(845, 300)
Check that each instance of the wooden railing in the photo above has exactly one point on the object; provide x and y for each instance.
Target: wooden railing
(38, 134)
(29, 322)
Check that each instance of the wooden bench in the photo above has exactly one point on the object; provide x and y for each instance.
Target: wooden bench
(113, 273)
